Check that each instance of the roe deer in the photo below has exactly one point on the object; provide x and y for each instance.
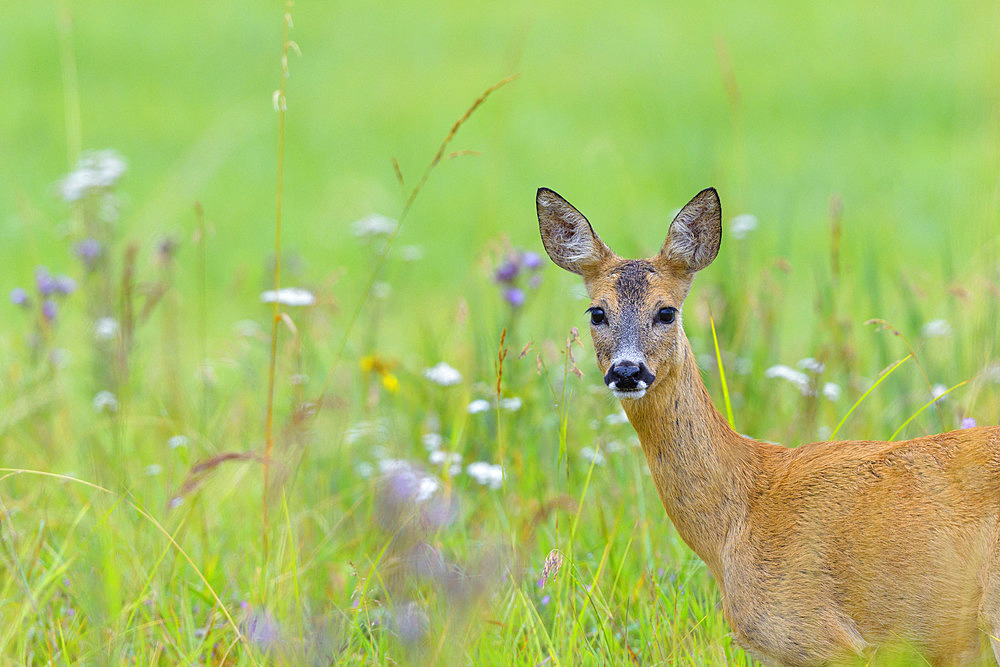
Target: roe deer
(823, 552)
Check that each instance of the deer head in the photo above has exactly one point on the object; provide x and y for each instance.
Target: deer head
(636, 304)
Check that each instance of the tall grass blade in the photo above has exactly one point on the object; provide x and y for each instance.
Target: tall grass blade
(924, 407)
(877, 382)
(722, 374)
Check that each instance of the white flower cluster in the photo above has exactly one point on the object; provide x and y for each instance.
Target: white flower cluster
(95, 171)
(936, 329)
(374, 225)
(289, 296)
(742, 225)
(443, 374)
(479, 405)
(801, 380)
(487, 474)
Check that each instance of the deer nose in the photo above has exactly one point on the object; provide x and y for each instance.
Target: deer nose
(627, 375)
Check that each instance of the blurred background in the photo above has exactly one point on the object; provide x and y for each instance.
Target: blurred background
(855, 147)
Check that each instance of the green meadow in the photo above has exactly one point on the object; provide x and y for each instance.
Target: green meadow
(412, 459)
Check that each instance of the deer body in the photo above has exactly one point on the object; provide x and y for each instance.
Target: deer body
(825, 552)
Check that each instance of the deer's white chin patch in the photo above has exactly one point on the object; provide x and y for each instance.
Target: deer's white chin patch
(632, 394)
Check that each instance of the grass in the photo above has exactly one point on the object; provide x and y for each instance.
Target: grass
(864, 143)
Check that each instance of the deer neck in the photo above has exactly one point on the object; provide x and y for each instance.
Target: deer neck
(704, 471)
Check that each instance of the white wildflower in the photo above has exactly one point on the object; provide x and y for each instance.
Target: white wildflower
(832, 391)
(381, 289)
(289, 296)
(477, 406)
(512, 404)
(411, 253)
(153, 470)
(614, 446)
(812, 365)
(616, 418)
(487, 474)
(936, 329)
(364, 469)
(105, 401)
(177, 441)
(938, 390)
(95, 171)
(443, 374)
(426, 488)
(374, 225)
(106, 328)
(798, 378)
(432, 441)
(742, 225)
(451, 459)
(388, 465)
(592, 455)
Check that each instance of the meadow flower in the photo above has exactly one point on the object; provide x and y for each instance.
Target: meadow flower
(289, 296)
(105, 401)
(64, 285)
(374, 225)
(477, 406)
(443, 374)
(742, 225)
(968, 422)
(262, 629)
(50, 310)
(832, 391)
(89, 251)
(44, 282)
(515, 296)
(364, 469)
(19, 297)
(531, 260)
(98, 170)
(936, 329)
(432, 441)
(177, 441)
(487, 474)
(411, 253)
(512, 404)
(938, 390)
(616, 418)
(592, 455)
(106, 328)
(507, 272)
(797, 378)
(811, 365)
(153, 470)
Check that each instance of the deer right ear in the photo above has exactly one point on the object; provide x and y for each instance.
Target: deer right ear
(567, 236)
(695, 234)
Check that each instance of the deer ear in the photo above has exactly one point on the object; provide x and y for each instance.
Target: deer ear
(567, 236)
(695, 234)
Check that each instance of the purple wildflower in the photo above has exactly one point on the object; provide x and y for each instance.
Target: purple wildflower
(49, 309)
(64, 285)
(514, 296)
(19, 297)
(968, 422)
(44, 281)
(534, 281)
(531, 260)
(89, 250)
(507, 272)
(262, 629)
(545, 600)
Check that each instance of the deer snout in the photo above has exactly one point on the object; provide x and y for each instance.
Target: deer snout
(628, 379)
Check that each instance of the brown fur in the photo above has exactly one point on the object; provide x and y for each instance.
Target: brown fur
(825, 552)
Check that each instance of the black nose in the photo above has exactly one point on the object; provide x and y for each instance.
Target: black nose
(627, 375)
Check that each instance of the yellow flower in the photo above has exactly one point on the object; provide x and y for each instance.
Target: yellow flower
(390, 382)
(368, 363)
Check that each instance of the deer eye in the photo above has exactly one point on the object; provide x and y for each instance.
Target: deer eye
(597, 316)
(667, 315)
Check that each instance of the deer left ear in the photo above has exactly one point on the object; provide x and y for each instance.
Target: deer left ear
(695, 234)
